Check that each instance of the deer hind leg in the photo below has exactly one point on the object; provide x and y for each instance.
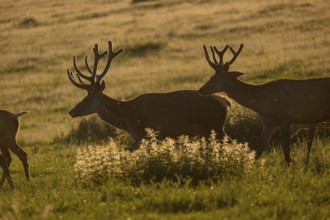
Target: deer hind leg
(295, 130)
(6, 154)
(220, 134)
(267, 133)
(22, 155)
(286, 130)
(6, 163)
(6, 173)
(311, 135)
(4, 166)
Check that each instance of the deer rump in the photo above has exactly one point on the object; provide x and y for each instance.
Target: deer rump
(297, 101)
(177, 113)
(8, 127)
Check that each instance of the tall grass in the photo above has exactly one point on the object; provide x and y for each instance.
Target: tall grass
(155, 161)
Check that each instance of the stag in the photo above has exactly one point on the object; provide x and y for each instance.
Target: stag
(9, 125)
(280, 103)
(170, 114)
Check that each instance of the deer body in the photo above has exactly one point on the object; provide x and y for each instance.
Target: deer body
(9, 125)
(277, 102)
(285, 104)
(170, 114)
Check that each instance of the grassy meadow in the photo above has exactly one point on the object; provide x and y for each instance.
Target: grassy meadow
(163, 52)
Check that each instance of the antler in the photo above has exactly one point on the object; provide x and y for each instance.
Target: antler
(111, 56)
(93, 79)
(217, 65)
(235, 53)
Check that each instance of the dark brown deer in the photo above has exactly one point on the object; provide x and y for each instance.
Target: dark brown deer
(279, 103)
(169, 114)
(9, 125)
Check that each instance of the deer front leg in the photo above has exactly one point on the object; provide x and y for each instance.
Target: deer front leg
(311, 135)
(286, 131)
(267, 133)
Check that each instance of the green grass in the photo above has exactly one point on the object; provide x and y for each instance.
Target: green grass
(274, 192)
(163, 52)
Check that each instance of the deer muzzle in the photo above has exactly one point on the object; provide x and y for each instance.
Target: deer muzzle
(73, 114)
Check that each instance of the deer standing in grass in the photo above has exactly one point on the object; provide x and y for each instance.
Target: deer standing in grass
(279, 103)
(9, 125)
(169, 114)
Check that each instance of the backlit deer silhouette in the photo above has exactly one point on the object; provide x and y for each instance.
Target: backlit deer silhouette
(9, 125)
(170, 114)
(279, 103)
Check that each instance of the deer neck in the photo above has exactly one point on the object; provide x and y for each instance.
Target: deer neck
(113, 112)
(245, 94)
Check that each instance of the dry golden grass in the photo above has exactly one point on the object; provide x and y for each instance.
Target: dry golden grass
(163, 42)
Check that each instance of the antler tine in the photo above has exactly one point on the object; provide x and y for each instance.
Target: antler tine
(97, 53)
(97, 58)
(79, 79)
(111, 56)
(207, 57)
(79, 85)
(78, 71)
(221, 53)
(213, 55)
(235, 53)
(87, 65)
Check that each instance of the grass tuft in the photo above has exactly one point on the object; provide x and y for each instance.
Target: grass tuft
(145, 48)
(28, 22)
(141, 1)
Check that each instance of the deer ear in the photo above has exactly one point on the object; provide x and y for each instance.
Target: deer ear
(236, 74)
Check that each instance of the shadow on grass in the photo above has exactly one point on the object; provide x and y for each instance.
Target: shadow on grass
(93, 131)
(28, 22)
(145, 48)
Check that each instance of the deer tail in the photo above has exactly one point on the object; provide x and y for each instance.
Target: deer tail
(22, 113)
(228, 103)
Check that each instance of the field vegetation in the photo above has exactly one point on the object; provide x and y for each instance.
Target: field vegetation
(163, 52)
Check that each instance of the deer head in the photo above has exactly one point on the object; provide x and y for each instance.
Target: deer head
(92, 83)
(222, 77)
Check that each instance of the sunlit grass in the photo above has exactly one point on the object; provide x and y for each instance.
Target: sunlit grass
(162, 55)
(163, 52)
(273, 191)
(174, 160)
